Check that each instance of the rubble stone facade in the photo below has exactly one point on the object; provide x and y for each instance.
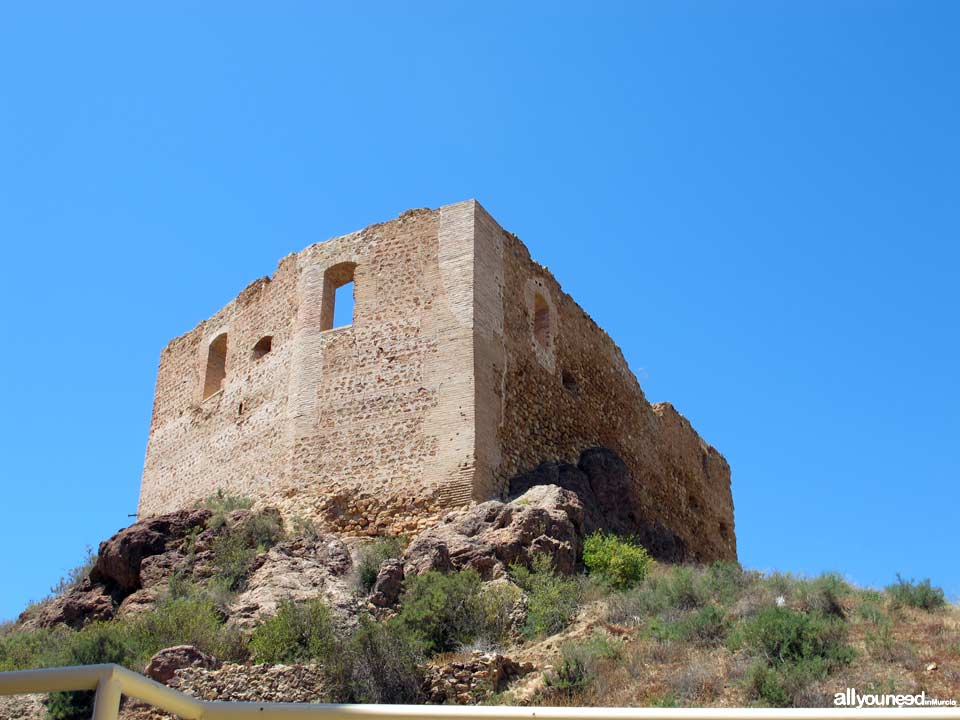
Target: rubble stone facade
(465, 364)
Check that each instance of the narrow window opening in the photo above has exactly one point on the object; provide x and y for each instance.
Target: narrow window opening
(724, 531)
(343, 305)
(240, 409)
(216, 370)
(541, 320)
(338, 296)
(570, 383)
(264, 345)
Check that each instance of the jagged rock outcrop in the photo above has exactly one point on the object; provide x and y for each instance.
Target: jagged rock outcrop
(166, 662)
(603, 483)
(493, 535)
(388, 585)
(298, 569)
(120, 558)
(84, 603)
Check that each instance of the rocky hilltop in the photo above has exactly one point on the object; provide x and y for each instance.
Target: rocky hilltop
(555, 594)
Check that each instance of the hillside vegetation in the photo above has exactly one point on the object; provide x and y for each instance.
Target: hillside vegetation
(621, 629)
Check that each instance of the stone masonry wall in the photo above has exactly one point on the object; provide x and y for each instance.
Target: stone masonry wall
(552, 386)
(233, 440)
(368, 427)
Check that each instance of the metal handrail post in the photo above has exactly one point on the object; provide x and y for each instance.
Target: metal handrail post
(106, 703)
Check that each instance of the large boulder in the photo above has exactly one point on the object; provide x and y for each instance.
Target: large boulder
(165, 663)
(120, 558)
(493, 535)
(296, 570)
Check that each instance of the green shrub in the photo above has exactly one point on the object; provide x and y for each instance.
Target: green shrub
(100, 642)
(223, 503)
(726, 582)
(667, 700)
(552, 599)
(781, 635)
(707, 626)
(70, 705)
(192, 620)
(498, 605)
(871, 608)
(372, 555)
(236, 547)
(920, 595)
(621, 563)
(31, 649)
(795, 649)
(684, 589)
(580, 662)
(297, 633)
(379, 663)
(445, 610)
(823, 595)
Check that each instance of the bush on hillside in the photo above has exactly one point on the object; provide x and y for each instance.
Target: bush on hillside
(619, 562)
(445, 610)
(922, 595)
(378, 663)
(221, 504)
(823, 595)
(794, 649)
(299, 632)
(193, 620)
(552, 599)
(582, 661)
(236, 547)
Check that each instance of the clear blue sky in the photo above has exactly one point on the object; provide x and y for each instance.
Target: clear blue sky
(759, 201)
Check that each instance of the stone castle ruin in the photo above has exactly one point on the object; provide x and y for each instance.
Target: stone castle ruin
(466, 372)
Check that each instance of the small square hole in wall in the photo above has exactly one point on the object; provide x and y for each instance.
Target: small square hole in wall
(343, 305)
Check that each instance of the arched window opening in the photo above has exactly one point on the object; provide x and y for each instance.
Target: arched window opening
(541, 320)
(264, 345)
(338, 296)
(216, 370)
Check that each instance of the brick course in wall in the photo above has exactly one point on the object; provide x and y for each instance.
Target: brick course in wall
(465, 364)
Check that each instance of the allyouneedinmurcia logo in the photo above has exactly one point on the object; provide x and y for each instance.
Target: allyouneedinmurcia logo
(851, 698)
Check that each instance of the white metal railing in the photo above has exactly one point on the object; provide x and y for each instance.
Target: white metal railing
(112, 681)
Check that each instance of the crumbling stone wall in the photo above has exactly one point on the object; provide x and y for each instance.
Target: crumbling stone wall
(466, 364)
(554, 383)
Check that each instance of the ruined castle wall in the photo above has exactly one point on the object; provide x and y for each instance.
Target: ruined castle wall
(552, 383)
(465, 365)
(234, 439)
(383, 432)
(367, 427)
